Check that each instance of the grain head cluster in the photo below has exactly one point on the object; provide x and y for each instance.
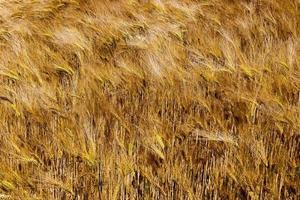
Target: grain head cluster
(149, 99)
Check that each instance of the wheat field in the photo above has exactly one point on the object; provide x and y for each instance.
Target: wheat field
(150, 99)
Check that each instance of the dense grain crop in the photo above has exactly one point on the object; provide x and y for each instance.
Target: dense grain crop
(149, 99)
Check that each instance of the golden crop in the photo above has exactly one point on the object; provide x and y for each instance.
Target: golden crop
(149, 99)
